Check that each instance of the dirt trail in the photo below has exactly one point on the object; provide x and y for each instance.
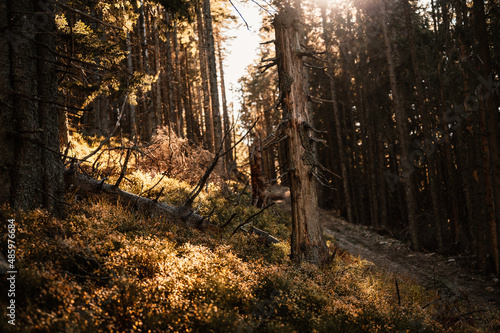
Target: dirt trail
(448, 274)
(451, 275)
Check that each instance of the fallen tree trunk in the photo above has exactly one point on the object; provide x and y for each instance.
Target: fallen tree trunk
(84, 185)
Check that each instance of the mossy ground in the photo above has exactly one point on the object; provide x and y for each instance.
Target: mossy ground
(108, 269)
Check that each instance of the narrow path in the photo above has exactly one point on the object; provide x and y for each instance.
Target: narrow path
(448, 274)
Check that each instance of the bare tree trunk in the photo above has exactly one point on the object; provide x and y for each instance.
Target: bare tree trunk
(192, 126)
(172, 111)
(230, 167)
(212, 70)
(401, 124)
(29, 139)
(147, 115)
(131, 107)
(338, 126)
(259, 197)
(369, 142)
(270, 170)
(179, 88)
(437, 214)
(157, 105)
(381, 182)
(202, 53)
(489, 128)
(307, 242)
(86, 186)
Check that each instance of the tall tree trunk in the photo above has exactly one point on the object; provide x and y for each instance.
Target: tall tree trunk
(259, 197)
(307, 242)
(147, 115)
(131, 107)
(382, 186)
(401, 124)
(157, 100)
(338, 126)
(489, 128)
(270, 170)
(202, 53)
(192, 126)
(179, 88)
(212, 71)
(230, 167)
(32, 171)
(172, 111)
(437, 214)
(369, 141)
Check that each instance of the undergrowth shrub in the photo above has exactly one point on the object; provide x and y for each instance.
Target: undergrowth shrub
(87, 274)
(108, 269)
(177, 158)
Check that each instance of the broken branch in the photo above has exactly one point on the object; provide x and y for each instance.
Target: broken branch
(251, 217)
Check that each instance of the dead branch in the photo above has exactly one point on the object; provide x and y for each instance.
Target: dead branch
(318, 100)
(309, 53)
(264, 9)
(124, 168)
(203, 180)
(269, 59)
(268, 42)
(159, 194)
(266, 67)
(264, 236)
(251, 217)
(276, 136)
(232, 4)
(307, 64)
(152, 187)
(228, 221)
(106, 140)
(87, 186)
(66, 151)
(271, 181)
(397, 290)
(432, 302)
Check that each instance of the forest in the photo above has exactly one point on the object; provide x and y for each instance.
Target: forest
(349, 181)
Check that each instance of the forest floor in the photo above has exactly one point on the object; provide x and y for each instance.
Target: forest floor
(449, 275)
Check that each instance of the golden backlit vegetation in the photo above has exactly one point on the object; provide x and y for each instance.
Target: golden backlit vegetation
(106, 268)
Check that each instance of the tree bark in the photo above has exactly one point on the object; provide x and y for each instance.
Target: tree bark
(31, 168)
(157, 100)
(437, 214)
(489, 127)
(338, 126)
(212, 71)
(131, 107)
(172, 110)
(192, 126)
(202, 53)
(259, 197)
(307, 242)
(179, 91)
(230, 166)
(402, 128)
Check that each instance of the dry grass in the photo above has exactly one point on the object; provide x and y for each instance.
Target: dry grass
(107, 269)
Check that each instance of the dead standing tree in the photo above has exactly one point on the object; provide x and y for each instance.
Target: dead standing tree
(307, 242)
